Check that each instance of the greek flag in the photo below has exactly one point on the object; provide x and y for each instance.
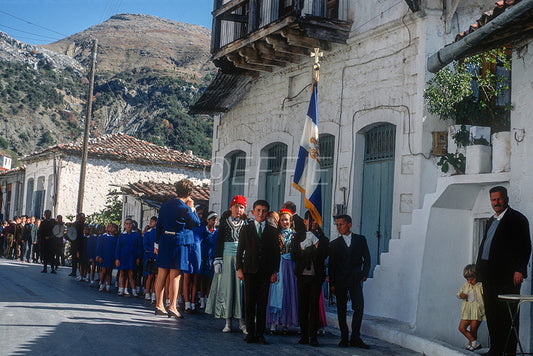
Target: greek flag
(307, 173)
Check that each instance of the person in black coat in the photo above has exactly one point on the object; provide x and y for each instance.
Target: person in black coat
(501, 267)
(309, 250)
(257, 264)
(349, 264)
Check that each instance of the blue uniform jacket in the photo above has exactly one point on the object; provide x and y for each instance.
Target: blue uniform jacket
(129, 249)
(178, 218)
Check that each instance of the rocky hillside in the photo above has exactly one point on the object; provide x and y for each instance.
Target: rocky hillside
(149, 71)
(128, 41)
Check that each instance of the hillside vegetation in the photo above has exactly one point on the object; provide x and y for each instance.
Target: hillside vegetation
(43, 93)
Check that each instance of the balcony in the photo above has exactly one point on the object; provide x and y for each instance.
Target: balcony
(254, 36)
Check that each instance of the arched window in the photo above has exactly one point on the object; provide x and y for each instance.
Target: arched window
(276, 167)
(29, 196)
(234, 166)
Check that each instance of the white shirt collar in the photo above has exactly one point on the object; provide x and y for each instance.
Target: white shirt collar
(347, 239)
(499, 217)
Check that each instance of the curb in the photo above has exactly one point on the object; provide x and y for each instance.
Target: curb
(399, 333)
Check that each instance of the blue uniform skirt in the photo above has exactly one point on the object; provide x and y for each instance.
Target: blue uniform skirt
(195, 258)
(171, 255)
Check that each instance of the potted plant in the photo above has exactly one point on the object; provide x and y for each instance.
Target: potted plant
(473, 91)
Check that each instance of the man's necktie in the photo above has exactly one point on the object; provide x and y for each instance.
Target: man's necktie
(260, 232)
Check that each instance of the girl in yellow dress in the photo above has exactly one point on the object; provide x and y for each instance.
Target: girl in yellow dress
(472, 310)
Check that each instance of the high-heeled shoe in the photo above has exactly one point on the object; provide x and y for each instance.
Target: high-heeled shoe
(160, 312)
(175, 315)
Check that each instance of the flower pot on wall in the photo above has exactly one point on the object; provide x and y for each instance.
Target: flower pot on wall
(452, 145)
(501, 152)
(480, 132)
(478, 159)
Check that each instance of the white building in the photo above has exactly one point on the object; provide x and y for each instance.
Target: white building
(51, 178)
(376, 139)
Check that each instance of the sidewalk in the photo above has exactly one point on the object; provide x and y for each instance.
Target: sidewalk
(398, 333)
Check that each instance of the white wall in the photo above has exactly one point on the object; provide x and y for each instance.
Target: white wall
(521, 185)
(102, 176)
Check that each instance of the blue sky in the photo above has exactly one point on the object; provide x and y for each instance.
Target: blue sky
(46, 21)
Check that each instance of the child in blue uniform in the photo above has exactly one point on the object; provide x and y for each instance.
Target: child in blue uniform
(91, 252)
(127, 256)
(208, 248)
(148, 244)
(106, 256)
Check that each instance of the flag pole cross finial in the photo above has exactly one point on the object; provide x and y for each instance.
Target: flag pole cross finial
(316, 66)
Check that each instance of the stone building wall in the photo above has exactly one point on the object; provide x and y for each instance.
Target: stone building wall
(103, 175)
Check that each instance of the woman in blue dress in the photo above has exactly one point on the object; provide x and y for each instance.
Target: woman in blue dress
(176, 219)
(127, 256)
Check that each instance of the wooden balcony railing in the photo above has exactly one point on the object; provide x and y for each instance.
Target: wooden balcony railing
(236, 19)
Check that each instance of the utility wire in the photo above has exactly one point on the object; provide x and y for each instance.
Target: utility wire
(29, 33)
(34, 24)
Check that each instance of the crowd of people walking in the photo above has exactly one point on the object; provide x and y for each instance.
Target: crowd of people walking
(267, 272)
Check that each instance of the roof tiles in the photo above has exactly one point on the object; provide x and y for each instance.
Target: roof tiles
(158, 193)
(124, 147)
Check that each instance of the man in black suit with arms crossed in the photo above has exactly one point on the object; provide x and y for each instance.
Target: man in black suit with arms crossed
(257, 264)
(501, 267)
(349, 264)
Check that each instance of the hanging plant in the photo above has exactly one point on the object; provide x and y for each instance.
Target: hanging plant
(471, 91)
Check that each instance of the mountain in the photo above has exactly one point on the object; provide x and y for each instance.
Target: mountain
(128, 41)
(149, 70)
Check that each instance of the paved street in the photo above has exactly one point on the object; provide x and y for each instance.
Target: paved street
(46, 314)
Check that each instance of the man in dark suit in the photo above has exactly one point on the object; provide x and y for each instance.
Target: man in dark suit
(502, 266)
(257, 264)
(309, 251)
(349, 264)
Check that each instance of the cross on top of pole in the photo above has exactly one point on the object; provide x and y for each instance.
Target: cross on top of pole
(316, 66)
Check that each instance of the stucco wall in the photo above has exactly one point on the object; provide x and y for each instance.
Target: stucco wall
(521, 185)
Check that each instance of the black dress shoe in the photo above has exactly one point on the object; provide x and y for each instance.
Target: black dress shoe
(160, 312)
(175, 315)
(304, 340)
(44, 271)
(72, 275)
(53, 271)
(344, 343)
(250, 339)
(261, 340)
(313, 342)
(359, 343)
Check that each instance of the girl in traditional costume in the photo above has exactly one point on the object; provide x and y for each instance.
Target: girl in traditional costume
(226, 295)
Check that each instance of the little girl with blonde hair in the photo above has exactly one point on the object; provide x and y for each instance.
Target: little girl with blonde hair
(472, 309)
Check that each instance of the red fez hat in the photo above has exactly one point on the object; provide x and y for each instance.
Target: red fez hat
(285, 211)
(238, 199)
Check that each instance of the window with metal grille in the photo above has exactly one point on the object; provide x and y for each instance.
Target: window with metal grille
(276, 158)
(380, 142)
(327, 145)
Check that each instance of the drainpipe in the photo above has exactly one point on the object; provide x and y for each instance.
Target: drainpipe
(449, 53)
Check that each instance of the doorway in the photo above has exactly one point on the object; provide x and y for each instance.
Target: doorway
(378, 187)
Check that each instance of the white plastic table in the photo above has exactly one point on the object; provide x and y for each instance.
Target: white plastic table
(515, 298)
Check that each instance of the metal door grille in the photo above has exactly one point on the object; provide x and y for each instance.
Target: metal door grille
(380, 142)
(327, 145)
(276, 158)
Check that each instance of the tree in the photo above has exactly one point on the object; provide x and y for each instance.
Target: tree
(111, 213)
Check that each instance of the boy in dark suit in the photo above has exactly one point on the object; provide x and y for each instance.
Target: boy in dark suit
(257, 264)
(349, 264)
